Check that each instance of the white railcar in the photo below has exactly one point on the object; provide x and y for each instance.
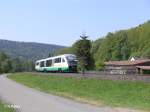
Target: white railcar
(61, 63)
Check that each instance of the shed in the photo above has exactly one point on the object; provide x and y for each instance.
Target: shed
(126, 67)
(143, 69)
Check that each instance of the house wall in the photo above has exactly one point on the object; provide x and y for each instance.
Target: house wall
(144, 64)
(121, 69)
(126, 69)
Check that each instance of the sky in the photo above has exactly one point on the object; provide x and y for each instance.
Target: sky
(62, 22)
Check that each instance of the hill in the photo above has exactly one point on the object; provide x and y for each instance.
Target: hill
(120, 45)
(27, 50)
(124, 44)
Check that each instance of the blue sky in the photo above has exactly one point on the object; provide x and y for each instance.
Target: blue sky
(62, 21)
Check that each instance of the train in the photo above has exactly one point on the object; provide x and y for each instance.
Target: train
(60, 63)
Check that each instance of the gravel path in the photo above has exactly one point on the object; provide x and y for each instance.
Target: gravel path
(30, 100)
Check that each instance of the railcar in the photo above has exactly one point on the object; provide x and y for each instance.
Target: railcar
(60, 63)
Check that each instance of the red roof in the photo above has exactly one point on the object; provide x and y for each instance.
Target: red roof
(128, 62)
(144, 67)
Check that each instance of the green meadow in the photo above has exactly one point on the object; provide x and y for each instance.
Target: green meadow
(135, 95)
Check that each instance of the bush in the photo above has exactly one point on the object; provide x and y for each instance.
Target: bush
(99, 65)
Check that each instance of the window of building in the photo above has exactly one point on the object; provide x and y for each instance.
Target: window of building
(48, 63)
(58, 60)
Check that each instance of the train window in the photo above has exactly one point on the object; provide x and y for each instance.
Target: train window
(48, 63)
(37, 63)
(63, 60)
(42, 64)
(71, 58)
(58, 60)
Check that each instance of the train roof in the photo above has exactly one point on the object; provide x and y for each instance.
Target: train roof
(65, 55)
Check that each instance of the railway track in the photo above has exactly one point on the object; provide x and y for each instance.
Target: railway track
(101, 75)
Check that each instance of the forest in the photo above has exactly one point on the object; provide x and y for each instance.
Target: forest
(119, 45)
(27, 50)
(9, 65)
(20, 56)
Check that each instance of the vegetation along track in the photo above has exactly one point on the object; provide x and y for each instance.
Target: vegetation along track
(101, 75)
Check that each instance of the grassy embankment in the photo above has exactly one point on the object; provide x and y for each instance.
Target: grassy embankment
(4, 108)
(134, 95)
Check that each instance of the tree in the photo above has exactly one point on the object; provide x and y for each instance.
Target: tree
(27, 66)
(82, 50)
(67, 50)
(5, 63)
(51, 54)
(3, 56)
(99, 65)
(16, 65)
(6, 66)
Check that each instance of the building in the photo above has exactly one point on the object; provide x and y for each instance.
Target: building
(128, 67)
(137, 58)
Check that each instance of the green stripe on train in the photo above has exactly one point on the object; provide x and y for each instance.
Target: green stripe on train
(53, 69)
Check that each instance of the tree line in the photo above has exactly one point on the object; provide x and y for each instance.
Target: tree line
(27, 50)
(120, 45)
(8, 64)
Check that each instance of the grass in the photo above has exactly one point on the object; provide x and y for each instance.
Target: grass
(134, 95)
(4, 108)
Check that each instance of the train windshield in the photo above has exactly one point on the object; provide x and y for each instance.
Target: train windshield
(72, 60)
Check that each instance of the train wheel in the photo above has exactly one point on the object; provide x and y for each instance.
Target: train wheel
(45, 71)
(59, 70)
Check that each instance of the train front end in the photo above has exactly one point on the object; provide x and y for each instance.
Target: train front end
(72, 63)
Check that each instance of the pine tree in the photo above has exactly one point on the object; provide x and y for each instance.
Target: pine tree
(82, 50)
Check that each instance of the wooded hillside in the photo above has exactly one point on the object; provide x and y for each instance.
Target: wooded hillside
(27, 50)
(120, 45)
(124, 44)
